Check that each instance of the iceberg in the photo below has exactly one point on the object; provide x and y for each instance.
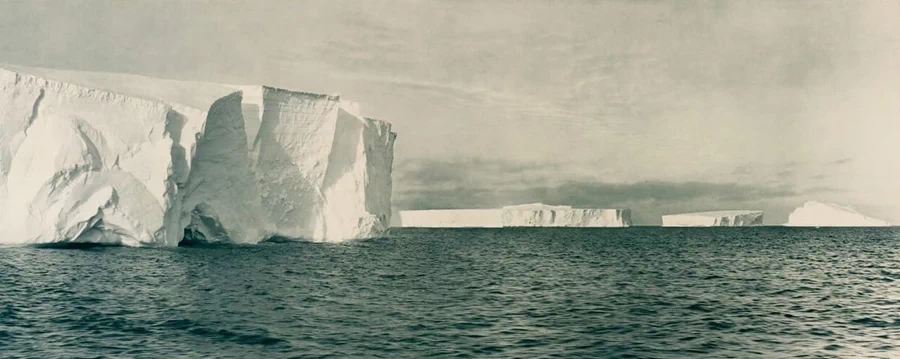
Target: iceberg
(819, 214)
(541, 215)
(527, 215)
(737, 218)
(323, 170)
(452, 218)
(130, 160)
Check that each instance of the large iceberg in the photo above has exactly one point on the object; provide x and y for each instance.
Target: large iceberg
(541, 215)
(123, 159)
(714, 219)
(528, 215)
(819, 214)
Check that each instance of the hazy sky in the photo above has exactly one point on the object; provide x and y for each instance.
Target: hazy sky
(660, 106)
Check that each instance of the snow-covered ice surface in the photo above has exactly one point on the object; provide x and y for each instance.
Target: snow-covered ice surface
(527, 215)
(541, 215)
(126, 159)
(714, 219)
(452, 218)
(819, 214)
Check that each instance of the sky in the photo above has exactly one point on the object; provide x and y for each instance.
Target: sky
(658, 106)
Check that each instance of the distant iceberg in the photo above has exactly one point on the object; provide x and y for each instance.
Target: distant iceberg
(527, 215)
(819, 214)
(541, 215)
(738, 218)
(452, 218)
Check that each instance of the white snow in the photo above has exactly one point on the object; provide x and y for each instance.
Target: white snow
(541, 215)
(220, 199)
(140, 165)
(527, 215)
(322, 169)
(535, 206)
(819, 214)
(78, 160)
(452, 218)
(739, 218)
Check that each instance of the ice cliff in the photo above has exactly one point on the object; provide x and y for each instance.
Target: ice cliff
(452, 218)
(714, 219)
(324, 170)
(124, 159)
(540, 215)
(529, 215)
(819, 214)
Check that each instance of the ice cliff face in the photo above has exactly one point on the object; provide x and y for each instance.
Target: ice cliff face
(84, 165)
(539, 215)
(219, 201)
(322, 169)
(452, 218)
(818, 214)
(714, 219)
(79, 164)
(529, 215)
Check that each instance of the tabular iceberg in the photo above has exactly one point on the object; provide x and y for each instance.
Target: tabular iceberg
(160, 159)
(529, 215)
(541, 215)
(451, 218)
(714, 219)
(818, 214)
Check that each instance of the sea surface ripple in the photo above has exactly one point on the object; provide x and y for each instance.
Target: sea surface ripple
(568, 293)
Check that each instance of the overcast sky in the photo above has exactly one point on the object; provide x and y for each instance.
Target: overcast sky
(660, 106)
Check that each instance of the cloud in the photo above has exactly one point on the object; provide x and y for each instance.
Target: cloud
(517, 106)
(785, 173)
(842, 161)
(742, 170)
(474, 172)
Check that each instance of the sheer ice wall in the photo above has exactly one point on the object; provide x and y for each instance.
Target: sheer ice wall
(81, 164)
(714, 219)
(452, 218)
(147, 165)
(539, 215)
(323, 170)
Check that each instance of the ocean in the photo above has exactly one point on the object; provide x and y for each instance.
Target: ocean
(640, 292)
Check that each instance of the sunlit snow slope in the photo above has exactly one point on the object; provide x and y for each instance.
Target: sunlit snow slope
(819, 214)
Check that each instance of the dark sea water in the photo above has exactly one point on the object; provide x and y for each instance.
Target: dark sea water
(626, 293)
